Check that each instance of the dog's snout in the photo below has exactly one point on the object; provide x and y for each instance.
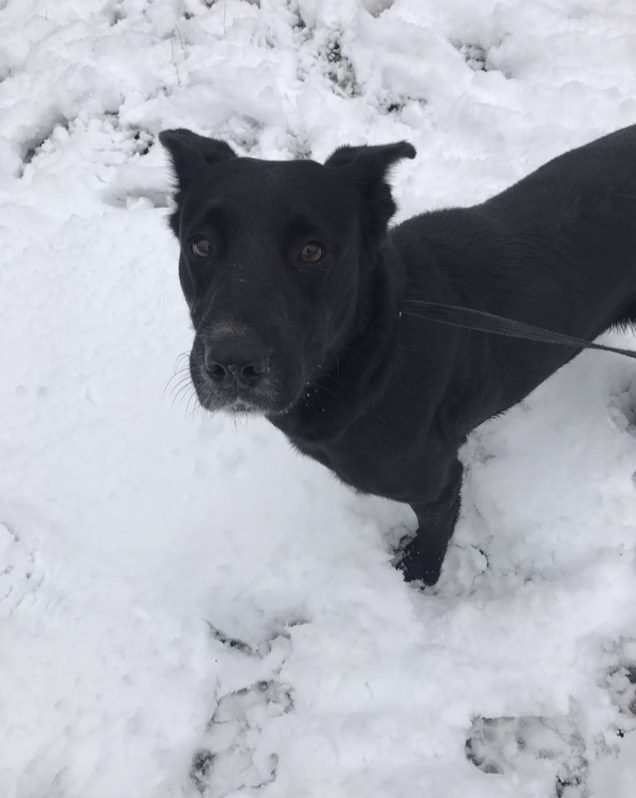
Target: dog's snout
(235, 362)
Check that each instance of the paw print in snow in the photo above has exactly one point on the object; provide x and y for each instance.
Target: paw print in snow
(17, 567)
(622, 405)
(551, 747)
(231, 756)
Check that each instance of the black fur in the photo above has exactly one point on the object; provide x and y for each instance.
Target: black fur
(382, 400)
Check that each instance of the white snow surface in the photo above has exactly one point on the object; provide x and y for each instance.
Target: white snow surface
(188, 607)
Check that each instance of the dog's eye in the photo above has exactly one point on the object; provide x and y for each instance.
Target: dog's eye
(312, 252)
(201, 247)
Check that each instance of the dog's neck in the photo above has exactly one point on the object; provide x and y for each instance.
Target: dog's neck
(338, 397)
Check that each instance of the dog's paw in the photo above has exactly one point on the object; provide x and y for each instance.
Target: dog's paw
(416, 562)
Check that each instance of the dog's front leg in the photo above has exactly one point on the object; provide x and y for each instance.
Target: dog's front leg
(423, 556)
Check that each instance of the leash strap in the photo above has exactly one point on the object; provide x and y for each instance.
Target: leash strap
(480, 321)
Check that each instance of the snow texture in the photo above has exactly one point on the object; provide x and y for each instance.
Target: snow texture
(188, 608)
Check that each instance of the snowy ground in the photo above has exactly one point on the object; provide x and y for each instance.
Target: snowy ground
(187, 606)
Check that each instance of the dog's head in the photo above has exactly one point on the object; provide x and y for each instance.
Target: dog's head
(274, 256)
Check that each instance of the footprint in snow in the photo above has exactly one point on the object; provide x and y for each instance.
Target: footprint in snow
(19, 574)
(621, 684)
(553, 747)
(233, 754)
(531, 746)
(622, 404)
(230, 757)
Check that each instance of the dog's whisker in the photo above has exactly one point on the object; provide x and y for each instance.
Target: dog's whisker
(183, 385)
(186, 390)
(178, 386)
(177, 373)
(184, 394)
(178, 381)
(179, 358)
(191, 405)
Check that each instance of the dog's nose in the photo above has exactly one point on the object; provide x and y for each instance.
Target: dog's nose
(236, 362)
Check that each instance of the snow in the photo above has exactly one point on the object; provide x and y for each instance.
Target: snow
(189, 607)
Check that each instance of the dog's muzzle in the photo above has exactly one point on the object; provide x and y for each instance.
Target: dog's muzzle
(234, 373)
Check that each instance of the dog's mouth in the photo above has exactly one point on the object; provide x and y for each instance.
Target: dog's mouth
(244, 406)
(267, 398)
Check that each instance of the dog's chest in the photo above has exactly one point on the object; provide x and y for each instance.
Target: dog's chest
(370, 460)
(362, 469)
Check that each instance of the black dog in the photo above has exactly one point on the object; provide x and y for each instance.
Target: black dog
(295, 286)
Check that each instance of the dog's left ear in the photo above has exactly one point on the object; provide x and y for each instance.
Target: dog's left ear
(367, 168)
(189, 152)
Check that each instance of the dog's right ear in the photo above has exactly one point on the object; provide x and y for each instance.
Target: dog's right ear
(366, 168)
(189, 152)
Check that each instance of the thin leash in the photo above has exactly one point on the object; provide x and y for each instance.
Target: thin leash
(481, 321)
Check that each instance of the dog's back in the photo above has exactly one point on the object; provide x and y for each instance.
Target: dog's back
(557, 249)
(578, 214)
